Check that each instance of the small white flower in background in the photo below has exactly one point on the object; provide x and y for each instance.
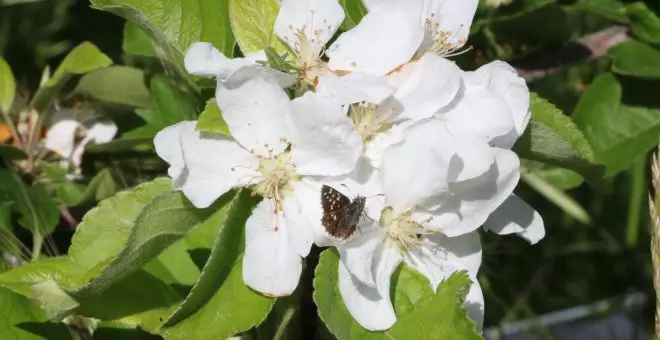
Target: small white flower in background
(394, 232)
(396, 31)
(277, 149)
(69, 134)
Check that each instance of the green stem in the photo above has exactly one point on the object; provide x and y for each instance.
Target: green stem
(637, 193)
(556, 196)
(37, 242)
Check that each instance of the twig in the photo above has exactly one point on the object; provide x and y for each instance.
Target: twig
(655, 237)
(587, 48)
(66, 215)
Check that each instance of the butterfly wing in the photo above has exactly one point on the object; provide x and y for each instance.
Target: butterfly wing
(334, 211)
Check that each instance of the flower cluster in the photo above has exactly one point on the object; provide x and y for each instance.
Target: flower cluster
(383, 114)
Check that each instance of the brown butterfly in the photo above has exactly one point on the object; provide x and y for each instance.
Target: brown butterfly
(340, 215)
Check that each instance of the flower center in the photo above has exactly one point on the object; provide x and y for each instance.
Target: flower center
(438, 40)
(310, 64)
(277, 175)
(369, 120)
(401, 229)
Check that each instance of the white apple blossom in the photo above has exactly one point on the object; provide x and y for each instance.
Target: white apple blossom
(412, 92)
(497, 98)
(391, 234)
(278, 148)
(69, 134)
(396, 31)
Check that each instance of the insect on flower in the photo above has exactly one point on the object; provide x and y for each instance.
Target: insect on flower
(340, 215)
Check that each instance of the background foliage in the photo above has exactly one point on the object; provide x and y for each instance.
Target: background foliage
(594, 65)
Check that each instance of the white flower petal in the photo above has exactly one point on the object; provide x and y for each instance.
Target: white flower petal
(76, 157)
(60, 137)
(453, 17)
(358, 251)
(503, 79)
(516, 216)
(478, 104)
(475, 305)
(365, 304)
(202, 59)
(472, 201)
(102, 132)
(308, 191)
(440, 256)
(412, 7)
(318, 19)
(387, 258)
(425, 85)
(323, 139)
(270, 264)
(381, 141)
(384, 39)
(473, 156)
(256, 113)
(245, 73)
(168, 147)
(416, 168)
(297, 223)
(355, 87)
(201, 167)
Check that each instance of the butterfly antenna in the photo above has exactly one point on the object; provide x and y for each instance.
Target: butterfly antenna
(349, 190)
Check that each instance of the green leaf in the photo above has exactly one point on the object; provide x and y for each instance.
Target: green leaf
(211, 119)
(104, 230)
(39, 212)
(644, 23)
(121, 145)
(174, 265)
(173, 105)
(233, 308)
(136, 41)
(166, 219)
(559, 177)
(116, 84)
(252, 22)
(20, 279)
(354, 10)
(10, 153)
(420, 313)
(84, 58)
(635, 59)
(100, 187)
(553, 138)
(22, 319)
(7, 87)
(440, 317)
(5, 217)
(226, 250)
(175, 25)
(619, 117)
(139, 300)
(610, 9)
